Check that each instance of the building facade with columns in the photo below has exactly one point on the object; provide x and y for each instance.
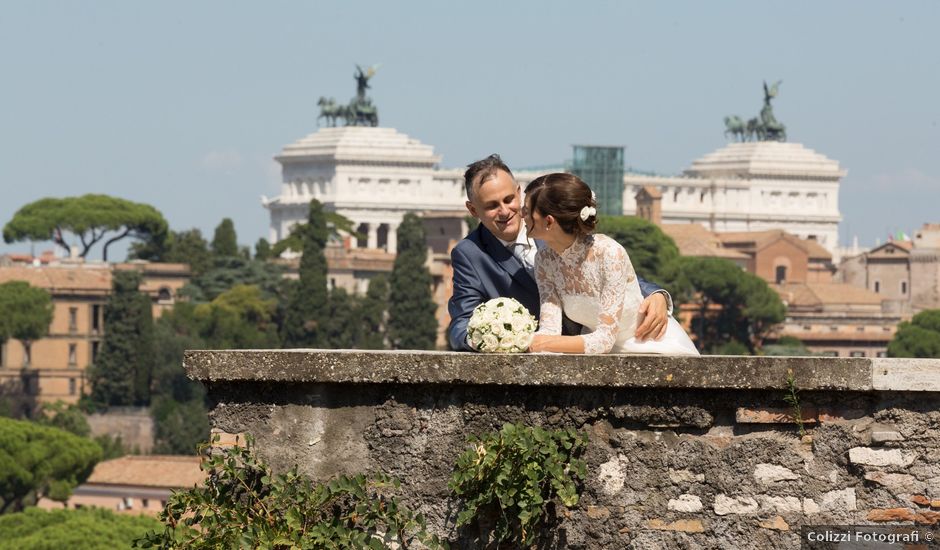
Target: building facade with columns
(373, 176)
(750, 186)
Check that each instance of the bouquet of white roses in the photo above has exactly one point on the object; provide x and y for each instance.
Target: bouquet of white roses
(501, 325)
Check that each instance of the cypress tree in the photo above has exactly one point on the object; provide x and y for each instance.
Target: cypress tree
(224, 241)
(411, 321)
(308, 308)
(263, 250)
(122, 373)
(372, 315)
(344, 314)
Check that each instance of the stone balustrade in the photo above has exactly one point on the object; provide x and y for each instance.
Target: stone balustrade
(691, 452)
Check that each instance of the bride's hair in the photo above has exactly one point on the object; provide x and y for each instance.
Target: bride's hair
(564, 196)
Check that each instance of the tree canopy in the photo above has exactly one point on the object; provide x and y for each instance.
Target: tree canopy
(411, 308)
(84, 529)
(918, 338)
(121, 374)
(186, 247)
(307, 307)
(90, 217)
(653, 253)
(224, 240)
(40, 461)
(733, 305)
(25, 313)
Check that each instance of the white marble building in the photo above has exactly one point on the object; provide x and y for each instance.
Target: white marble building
(373, 176)
(752, 186)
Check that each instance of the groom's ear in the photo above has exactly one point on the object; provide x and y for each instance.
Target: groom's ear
(471, 209)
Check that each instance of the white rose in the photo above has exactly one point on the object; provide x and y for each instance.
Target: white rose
(522, 341)
(490, 343)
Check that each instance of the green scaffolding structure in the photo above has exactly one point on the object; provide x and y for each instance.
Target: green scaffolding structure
(601, 167)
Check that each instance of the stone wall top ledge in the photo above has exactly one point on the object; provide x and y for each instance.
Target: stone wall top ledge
(626, 371)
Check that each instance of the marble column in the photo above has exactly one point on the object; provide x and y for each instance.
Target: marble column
(373, 241)
(392, 246)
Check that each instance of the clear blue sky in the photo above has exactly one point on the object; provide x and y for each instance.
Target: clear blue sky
(183, 104)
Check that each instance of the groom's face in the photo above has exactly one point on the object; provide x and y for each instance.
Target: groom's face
(495, 202)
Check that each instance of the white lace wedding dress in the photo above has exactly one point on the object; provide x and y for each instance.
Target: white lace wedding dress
(594, 283)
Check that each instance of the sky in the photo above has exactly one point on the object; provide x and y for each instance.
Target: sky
(182, 105)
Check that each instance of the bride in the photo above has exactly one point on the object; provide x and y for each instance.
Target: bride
(587, 276)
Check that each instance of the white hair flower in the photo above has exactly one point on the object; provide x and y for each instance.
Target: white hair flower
(587, 212)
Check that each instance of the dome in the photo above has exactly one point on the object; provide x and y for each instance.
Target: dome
(360, 144)
(772, 159)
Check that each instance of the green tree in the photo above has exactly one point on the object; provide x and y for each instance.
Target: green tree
(733, 305)
(225, 273)
(64, 417)
(179, 427)
(306, 315)
(224, 241)
(90, 217)
(122, 373)
(343, 330)
(85, 529)
(411, 320)
(336, 225)
(174, 332)
(372, 314)
(185, 247)
(25, 314)
(239, 318)
(787, 346)
(263, 250)
(40, 461)
(918, 338)
(653, 253)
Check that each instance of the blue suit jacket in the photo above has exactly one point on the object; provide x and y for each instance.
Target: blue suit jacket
(485, 269)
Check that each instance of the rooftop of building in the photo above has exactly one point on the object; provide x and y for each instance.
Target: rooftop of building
(359, 144)
(766, 158)
(167, 471)
(693, 239)
(826, 294)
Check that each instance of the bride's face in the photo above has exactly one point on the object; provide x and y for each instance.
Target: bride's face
(535, 223)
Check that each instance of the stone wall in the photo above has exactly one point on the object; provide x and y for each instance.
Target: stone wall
(697, 452)
(133, 424)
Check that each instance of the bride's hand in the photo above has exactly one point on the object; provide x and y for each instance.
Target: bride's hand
(538, 343)
(654, 311)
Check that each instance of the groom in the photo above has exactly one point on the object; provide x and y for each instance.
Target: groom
(497, 259)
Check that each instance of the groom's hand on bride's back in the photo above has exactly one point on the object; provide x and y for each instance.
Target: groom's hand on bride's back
(655, 314)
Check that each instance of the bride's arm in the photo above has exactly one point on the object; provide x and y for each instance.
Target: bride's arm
(616, 272)
(548, 337)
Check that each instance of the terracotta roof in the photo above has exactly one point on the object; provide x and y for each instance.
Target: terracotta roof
(149, 471)
(760, 239)
(693, 239)
(821, 294)
(54, 278)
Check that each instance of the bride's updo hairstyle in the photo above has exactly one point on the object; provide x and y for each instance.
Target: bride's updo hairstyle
(567, 199)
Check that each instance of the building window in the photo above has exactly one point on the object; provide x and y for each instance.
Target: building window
(860, 329)
(781, 276)
(72, 386)
(164, 295)
(903, 287)
(95, 346)
(834, 328)
(95, 318)
(73, 319)
(830, 353)
(145, 502)
(73, 352)
(3, 356)
(877, 286)
(882, 354)
(856, 354)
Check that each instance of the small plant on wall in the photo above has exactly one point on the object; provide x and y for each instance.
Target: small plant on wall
(243, 504)
(514, 474)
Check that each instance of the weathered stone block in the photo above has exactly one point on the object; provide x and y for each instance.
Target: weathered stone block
(684, 525)
(725, 505)
(772, 473)
(685, 476)
(891, 514)
(881, 434)
(780, 505)
(685, 503)
(772, 415)
(810, 506)
(612, 475)
(896, 483)
(776, 523)
(835, 501)
(598, 512)
(881, 457)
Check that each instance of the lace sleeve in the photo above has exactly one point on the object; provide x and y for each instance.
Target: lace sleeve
(615, 272)
(546, 267)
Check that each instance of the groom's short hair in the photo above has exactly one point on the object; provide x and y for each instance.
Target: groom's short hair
(482, 170)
